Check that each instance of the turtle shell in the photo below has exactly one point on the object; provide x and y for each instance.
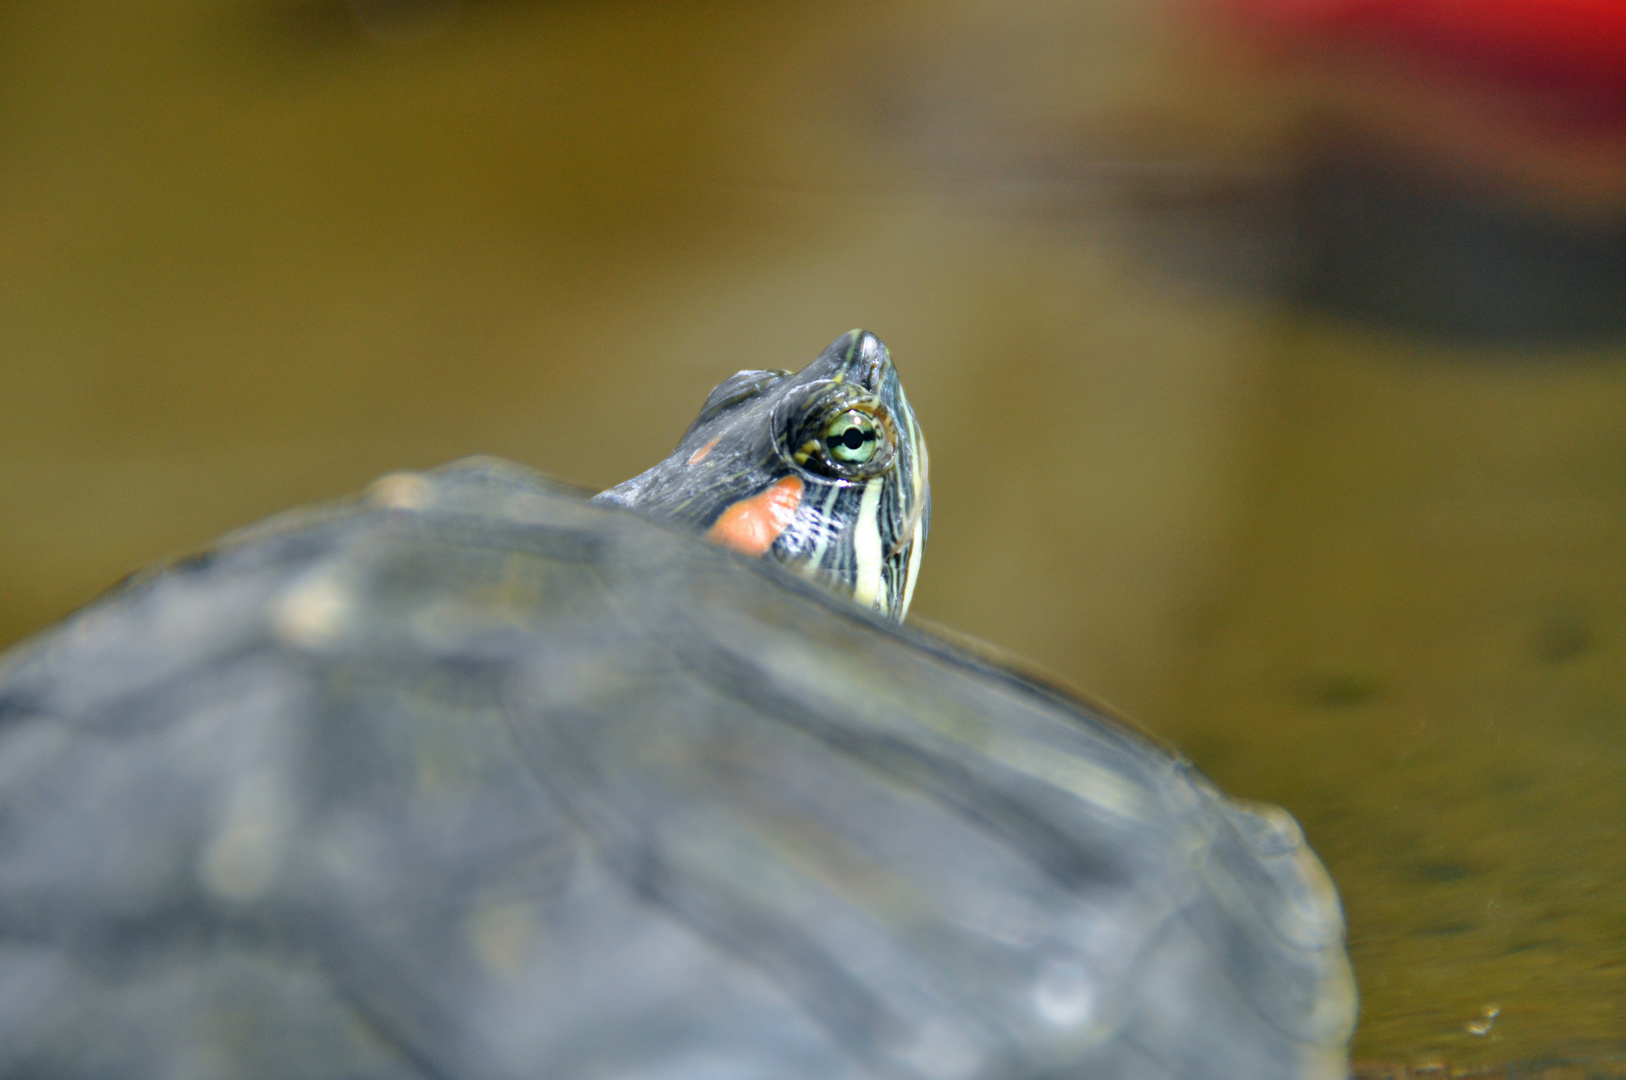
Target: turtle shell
(470, 778)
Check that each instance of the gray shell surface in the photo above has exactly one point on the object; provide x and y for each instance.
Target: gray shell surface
(468, 778)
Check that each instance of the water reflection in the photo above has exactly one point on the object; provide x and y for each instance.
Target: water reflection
(1306, 454)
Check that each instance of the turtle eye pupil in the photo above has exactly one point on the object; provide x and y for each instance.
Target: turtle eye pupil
(851, 438)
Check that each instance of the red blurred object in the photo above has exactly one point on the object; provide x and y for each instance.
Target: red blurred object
(1526, 96)
(1574, 45)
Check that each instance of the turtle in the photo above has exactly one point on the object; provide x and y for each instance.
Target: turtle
(476, 775)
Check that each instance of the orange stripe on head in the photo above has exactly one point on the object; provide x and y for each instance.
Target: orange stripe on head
(700, 455)
(752, 525)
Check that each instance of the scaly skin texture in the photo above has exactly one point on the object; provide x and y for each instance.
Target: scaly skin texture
(759, 472)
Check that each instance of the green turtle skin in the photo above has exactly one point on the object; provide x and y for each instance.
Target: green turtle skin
(470, 777)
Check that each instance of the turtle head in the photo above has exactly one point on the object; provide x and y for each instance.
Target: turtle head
(823, 471)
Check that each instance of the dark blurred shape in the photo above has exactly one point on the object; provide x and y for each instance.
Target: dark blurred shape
(1345, 689)
(1365, 233)
(403, 18)
(1525, 96)
(318, 22)
(1443, 873)
(1475, 186)
(1461, 204)
(323, 24)
(1352, 229)
(1385, 241)
(1564, 636)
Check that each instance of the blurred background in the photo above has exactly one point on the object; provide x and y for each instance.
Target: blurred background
(1272, 355)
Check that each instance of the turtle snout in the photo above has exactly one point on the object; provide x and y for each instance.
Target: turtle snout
(865, 361)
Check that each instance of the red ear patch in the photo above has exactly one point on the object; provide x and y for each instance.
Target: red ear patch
(752, 525)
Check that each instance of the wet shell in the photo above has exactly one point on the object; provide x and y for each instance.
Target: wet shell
(469, 778)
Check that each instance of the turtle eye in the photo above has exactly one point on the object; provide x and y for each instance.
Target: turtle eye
(837, 430)
(851, 438)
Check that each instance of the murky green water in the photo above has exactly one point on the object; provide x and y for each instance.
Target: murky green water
(254, 256)
(1421, 651)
